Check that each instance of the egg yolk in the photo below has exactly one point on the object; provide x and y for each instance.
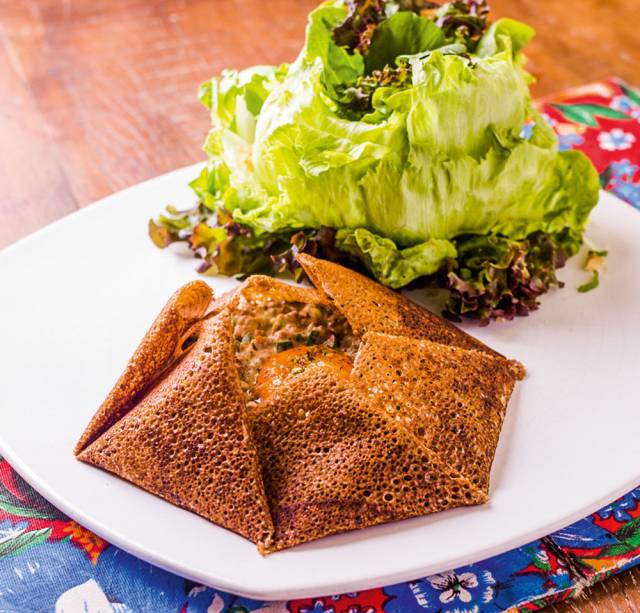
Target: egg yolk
(280, 366)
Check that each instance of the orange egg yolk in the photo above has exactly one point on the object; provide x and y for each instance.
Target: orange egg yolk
(280, 366)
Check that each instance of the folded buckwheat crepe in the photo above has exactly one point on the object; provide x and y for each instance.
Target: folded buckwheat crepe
(287, 413)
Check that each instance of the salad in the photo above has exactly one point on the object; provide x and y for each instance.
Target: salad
(393, 144)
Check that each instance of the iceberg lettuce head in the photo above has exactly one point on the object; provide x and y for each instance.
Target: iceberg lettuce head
(393, 143)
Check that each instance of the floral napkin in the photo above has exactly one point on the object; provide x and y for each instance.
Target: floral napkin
(50, 563)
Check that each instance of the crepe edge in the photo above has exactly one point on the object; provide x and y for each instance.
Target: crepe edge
(150, 358)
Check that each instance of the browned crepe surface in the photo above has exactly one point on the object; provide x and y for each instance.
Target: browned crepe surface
(411, 430)
(262, 289)
(371, 307)
(333, 461)
(151, 358)
(187, 440)
(453, 399)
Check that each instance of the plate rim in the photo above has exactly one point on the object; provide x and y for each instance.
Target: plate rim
(264, 592)
(278, 593)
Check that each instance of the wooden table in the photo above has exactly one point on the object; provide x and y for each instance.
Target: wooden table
(101, 94)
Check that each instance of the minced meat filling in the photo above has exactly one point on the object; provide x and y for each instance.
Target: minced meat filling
(262, 329)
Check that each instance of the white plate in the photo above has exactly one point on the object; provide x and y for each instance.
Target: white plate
(77, 296)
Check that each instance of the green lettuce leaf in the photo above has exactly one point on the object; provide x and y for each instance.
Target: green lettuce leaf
(339, 66)
(448, 160)
(404, 33)
(505, 34)
(236, 98)
(392, 266)
(398, 131)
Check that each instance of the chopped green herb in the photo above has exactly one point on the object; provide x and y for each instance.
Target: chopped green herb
(595, 281)
(593, 264)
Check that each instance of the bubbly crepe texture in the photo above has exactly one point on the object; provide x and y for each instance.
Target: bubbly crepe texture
(411, 430)
(157, 350)
(371, 307)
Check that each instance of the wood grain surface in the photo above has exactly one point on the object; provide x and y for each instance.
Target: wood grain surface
(98, 95)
